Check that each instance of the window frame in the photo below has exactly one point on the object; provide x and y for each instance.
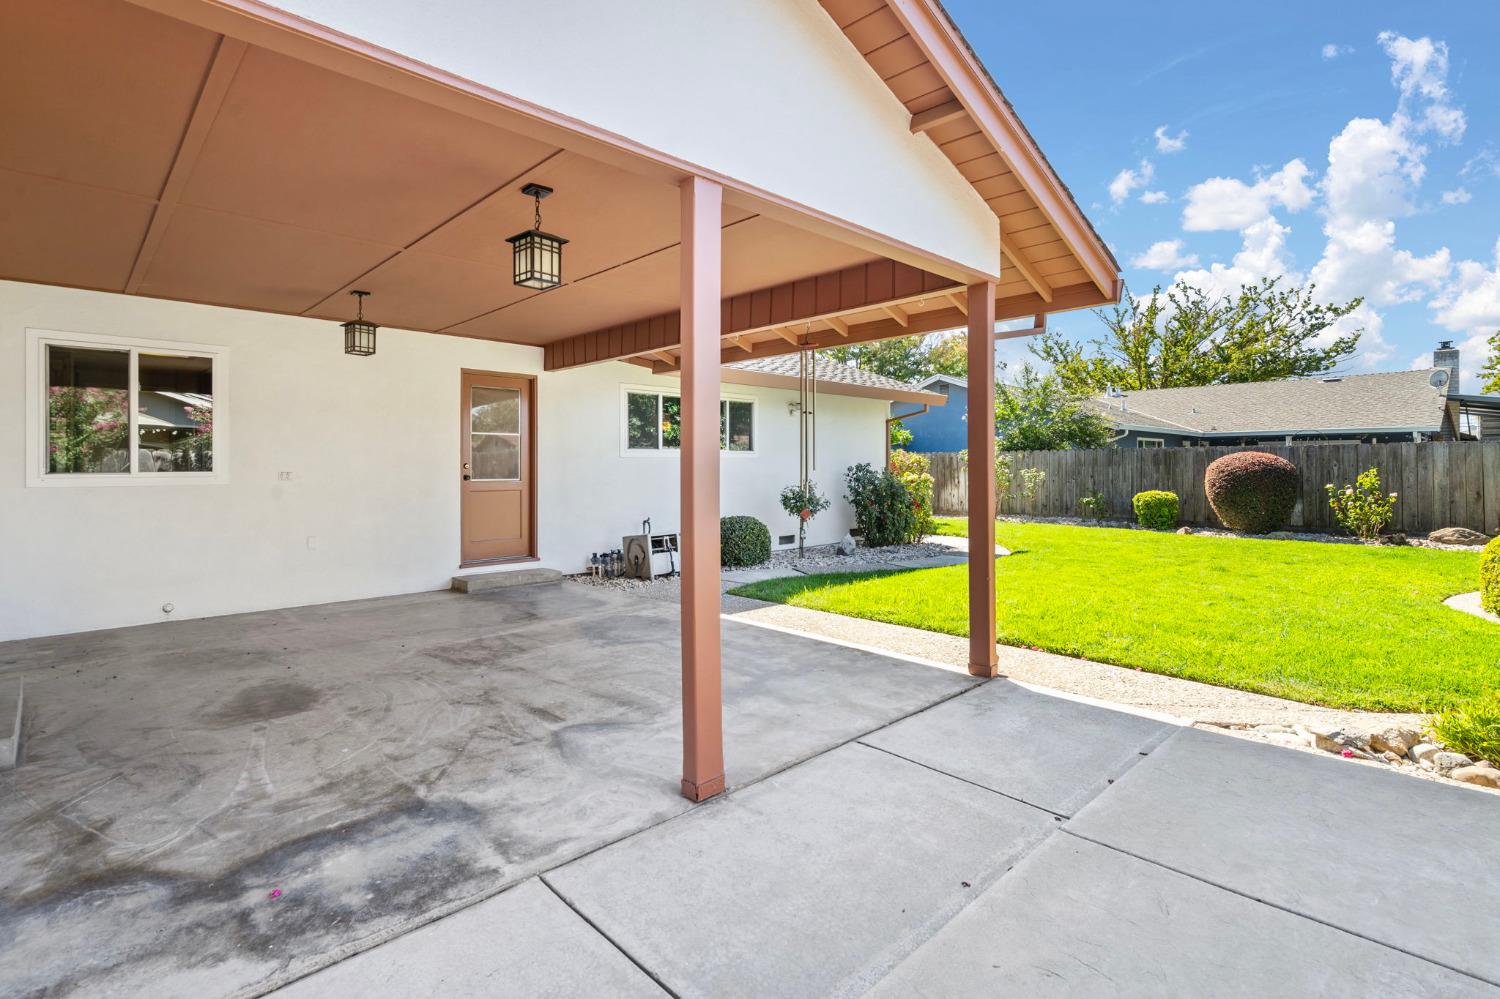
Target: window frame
(37, 342)
(1155, 443)
(664, 392)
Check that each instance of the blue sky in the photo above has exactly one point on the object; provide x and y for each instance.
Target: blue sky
(1355, 145)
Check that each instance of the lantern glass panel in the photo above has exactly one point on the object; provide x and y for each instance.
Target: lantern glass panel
(359, 338)
(538, 259)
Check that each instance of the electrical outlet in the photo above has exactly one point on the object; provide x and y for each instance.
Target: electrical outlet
(284, 476)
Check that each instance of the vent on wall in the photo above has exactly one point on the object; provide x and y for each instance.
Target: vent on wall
(787, 539)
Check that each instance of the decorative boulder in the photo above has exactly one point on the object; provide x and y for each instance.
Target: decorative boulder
(846, 546)
(1252, 491)
(1457, 536)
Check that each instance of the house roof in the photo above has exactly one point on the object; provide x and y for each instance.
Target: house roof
(932, 380)
(1389, 401)
(783, 370)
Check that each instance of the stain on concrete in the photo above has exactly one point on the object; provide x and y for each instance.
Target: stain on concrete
(263, 702)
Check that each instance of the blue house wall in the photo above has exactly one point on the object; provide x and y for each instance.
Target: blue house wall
(941, 428)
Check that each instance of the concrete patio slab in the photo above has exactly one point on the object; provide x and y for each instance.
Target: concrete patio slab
(812, 883)
(522, 942)
(932, 562)
(740, 577)
(379, 762)
(1404, 862)
(1078, 920)
(1045, 750)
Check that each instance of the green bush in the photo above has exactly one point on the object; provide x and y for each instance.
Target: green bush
(1472, 729)
(1489, 577)
(1156, 509)
(743, 541)
(1362, 509)
(883, 509)
(1252, 491)
(915, 472)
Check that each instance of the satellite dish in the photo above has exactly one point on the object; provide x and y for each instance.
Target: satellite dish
(1438, 378)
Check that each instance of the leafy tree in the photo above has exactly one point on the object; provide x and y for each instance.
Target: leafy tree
(900, 436)
(1491, 369)
(1190, 337)
(1036, 414)
(908, 358)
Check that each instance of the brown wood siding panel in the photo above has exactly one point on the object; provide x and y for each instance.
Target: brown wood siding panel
(1011, 204)
(925, 102)
(739, 313)
(846, 12)
(1047, 251)
(828, 293)
(983, 168)
(908, 280)
(880, 280)
(1022, 221)
(760, 307)
(896, 57)
(782, 299)
(874, 30)
(998, 186)
(805, 297)
(952, 131)
(852, 287)
(970, 147)
(1027, 238)
(915, 82)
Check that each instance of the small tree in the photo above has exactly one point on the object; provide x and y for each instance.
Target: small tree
(1491, 370)
(804, 502)
(915, 473)
(900, 436)
(1011, 482)
(1035, 414)
(1362, 509)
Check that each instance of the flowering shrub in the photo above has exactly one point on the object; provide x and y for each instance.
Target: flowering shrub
(914, 471)
(1252, 491)
(804, 502)
(1012, 483)
(1094, 505)
(86, 427)
(882, 506)
(1489, 577)
(1362, 509)
(1156, 509)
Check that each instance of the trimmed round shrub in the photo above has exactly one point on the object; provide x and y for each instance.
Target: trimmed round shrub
(743, 541)
(1156, 509)
(1489, 577)
(1252, 491)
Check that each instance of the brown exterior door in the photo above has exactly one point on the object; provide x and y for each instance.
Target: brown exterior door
(498, 422)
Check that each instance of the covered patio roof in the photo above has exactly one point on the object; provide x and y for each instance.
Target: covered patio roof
(231, 154)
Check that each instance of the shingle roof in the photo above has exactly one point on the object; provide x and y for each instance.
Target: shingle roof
(1394, 400)
(827, 371)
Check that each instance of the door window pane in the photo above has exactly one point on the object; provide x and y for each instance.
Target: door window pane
(496, 456)
(174, 414)
(641, 412)
(88, 410)
(741, 425)
(495, 410)
(494, 433)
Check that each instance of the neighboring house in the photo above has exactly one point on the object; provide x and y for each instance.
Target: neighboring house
(1390, 406)
(939, 429)
(194, 191)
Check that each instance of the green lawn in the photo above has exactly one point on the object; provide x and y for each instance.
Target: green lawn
(1344, 625)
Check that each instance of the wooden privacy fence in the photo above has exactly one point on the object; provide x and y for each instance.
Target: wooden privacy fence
(1440, 485)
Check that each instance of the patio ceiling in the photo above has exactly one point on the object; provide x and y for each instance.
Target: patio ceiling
(150, 156)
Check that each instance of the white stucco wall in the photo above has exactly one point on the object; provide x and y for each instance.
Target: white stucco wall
(768, 92)
(372, 448)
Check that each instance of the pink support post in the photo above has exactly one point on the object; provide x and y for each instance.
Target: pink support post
(983, 660)
(702, 685)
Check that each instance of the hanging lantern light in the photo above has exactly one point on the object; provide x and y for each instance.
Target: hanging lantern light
(359, 336)
(538, 254)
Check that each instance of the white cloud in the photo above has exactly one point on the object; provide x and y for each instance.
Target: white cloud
(1129, 180)
(1457, 196)
(1168, 144)
(1333, 50)
(1154, 198)
(1472, 302)
(1419, 69)
(1262, 254)
(1165, 255)
(1230, 203)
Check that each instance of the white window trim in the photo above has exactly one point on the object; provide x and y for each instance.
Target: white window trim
(37, 341)
(626, 451)
(1156, 442)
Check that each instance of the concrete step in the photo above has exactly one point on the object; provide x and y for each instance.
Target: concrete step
(12, 703)
(478, 582)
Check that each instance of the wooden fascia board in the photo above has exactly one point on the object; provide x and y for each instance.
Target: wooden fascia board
(958, 68)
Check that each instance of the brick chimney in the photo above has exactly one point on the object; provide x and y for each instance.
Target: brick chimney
(1446, 356)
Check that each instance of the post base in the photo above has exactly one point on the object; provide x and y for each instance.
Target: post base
(986, 670)
(702, 790)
